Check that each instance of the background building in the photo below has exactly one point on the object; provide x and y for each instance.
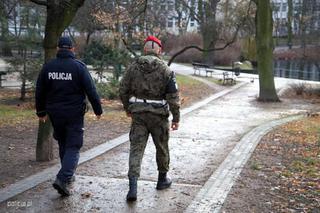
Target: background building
(305, 17)
(179, 19)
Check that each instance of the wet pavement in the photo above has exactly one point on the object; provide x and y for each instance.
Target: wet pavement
(206, 137)
(101, 194)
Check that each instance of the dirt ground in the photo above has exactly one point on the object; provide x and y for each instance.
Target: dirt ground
(18, 145)
(283, 174)
(18, 137)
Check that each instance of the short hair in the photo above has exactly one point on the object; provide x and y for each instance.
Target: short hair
(152, 47)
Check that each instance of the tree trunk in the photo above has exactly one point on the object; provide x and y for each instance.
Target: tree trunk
(44, 151)
(6, 48)
(59, 17)
(208, 41)
(207, 13)
(23, 76)
(303, 24)
(265, 51)
(289, 24)
(88, 38)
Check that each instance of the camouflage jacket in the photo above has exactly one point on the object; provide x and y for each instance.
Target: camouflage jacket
(148, 77)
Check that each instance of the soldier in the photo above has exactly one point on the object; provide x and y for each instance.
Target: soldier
(62, 86)
(148, 92)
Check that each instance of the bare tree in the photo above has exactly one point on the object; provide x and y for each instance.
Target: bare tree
(85, 20)
(125, 22)
(182, 15)
(59, 17)
(224, 42)
(264, 43)
(7, 8)
(289, 23)
(264, 25)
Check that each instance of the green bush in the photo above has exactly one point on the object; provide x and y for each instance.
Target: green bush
(109, 90)
(249, 49)
(101, 57)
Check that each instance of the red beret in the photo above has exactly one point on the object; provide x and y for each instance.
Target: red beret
(154, 39)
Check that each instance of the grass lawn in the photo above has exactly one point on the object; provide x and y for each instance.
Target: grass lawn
(13, 115)
(218, 81)
(283, 173)
(185, 81)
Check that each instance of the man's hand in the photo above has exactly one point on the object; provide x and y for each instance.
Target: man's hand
(98, 117)
(174, 126)
(129, 114)
(43, 119)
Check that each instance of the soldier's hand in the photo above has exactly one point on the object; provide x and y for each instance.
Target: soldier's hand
(43, 119)
(174, 126)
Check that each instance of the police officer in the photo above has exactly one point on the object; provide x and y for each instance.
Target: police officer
(61, 89)
(148, 91)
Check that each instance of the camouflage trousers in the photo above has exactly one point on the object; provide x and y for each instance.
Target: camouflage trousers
(143, 124)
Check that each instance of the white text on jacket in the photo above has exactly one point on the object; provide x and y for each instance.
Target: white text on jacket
(60, 76)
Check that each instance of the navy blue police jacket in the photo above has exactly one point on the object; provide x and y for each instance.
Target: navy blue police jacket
(62, 86)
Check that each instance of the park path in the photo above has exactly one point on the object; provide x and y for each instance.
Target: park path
(208, 135)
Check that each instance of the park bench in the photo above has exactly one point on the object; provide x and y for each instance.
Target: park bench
(198, 67)
(228, 78)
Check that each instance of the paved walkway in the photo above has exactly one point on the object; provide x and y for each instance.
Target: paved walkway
(208, 151)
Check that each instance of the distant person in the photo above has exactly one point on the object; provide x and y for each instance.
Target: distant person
(148, 92)
(61, 89)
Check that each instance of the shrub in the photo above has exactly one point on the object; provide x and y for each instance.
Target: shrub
(304, 89)
(313, 91)
(228, 55)
(101, 56)
(173, 44)
(189, 56)
(249, 49)
(108, 90)
(299, 88)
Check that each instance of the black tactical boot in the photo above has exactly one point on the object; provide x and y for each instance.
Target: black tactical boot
(132, 194)
(61, 187)
(163, 181)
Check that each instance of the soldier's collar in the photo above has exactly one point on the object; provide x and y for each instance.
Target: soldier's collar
(153, 54)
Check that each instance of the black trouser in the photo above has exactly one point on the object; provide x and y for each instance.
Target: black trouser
(69, 134)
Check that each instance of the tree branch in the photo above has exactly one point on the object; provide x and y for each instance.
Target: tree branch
(40, 2)
(212, 49)
(12, 8)
(144, 9)
(71, 36)
(192, 12)
(198, 48)
(128, 48)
